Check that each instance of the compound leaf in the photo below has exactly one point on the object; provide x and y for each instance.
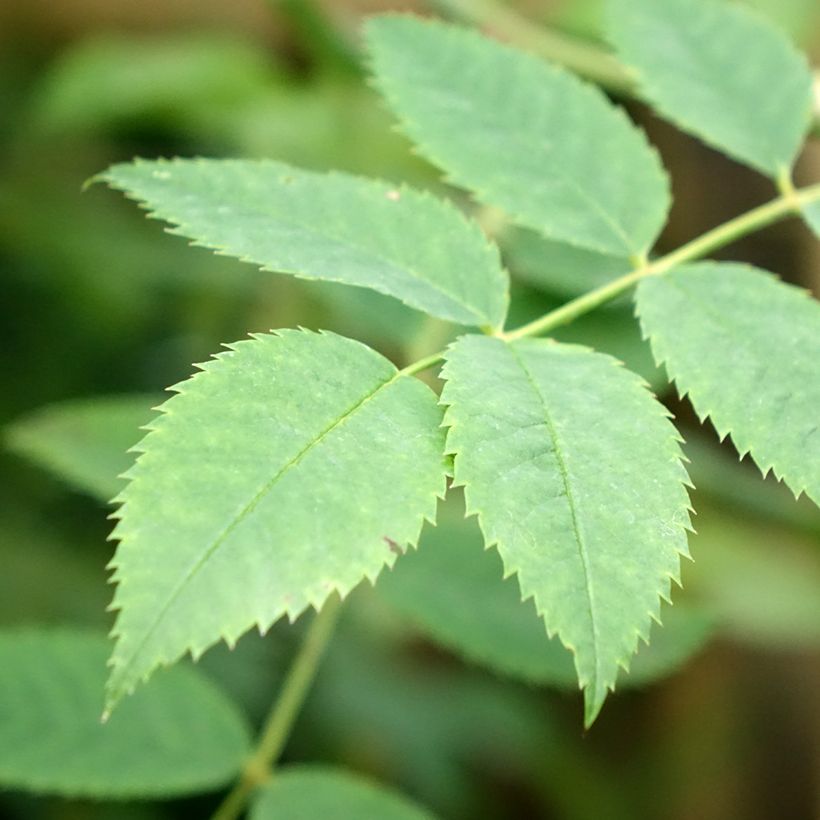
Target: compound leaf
(334, 227)
(85, 442)
(308, 792)
(721, 72)
(575, 473)
(294, 465)
(744, 347)
(523, 135)
(179, 736)
(437, 587)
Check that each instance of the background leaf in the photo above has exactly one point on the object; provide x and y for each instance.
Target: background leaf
(296, 464)
(557, 267)
(310, 792)
(85, 442)
(811, 213)
(575, 473)
(720, 72)
(111, 79)
(334, 227)
(437, 587)
(743, 347)
(178, 736)
(523, 135)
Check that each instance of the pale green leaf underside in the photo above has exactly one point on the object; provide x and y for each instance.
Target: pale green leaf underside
(312, 792)
(811, 213)
(295, 465)
(523, 135)
(575, 473)
(745, 348)
(437, 588)
(181, 735)
(85, 442)
(718, 71)
(557, 267)
(334, 227)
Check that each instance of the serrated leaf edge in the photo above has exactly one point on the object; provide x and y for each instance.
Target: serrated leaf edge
(314, 597)
(692, 392)
(593, 704)
(478, 194)
(646, 86)
(182, 229)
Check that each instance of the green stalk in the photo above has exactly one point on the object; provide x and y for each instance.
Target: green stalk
(789, 203)
(277, 727)
(785, 205)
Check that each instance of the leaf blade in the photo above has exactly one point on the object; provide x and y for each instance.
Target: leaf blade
(699, 316)
(332, 457)
(335, 227)
(51, 738)
(719, 71)
(486, 114)
(560, 500)
(84, 442)
(308, 792)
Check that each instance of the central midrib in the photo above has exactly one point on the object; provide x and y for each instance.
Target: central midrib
(579, 538)
(217, 542)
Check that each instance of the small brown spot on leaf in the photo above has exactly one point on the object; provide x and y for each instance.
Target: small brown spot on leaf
(393, 546)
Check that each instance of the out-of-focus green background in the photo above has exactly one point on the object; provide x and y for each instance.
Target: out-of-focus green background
(96, 301)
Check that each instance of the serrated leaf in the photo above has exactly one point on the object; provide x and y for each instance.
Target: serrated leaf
(523, 135)
(437, 587)
(179, 736)
(85, 442)
(574, 471)
(310, 792)
(745, 348)
(293, 466)
(720, 72)
(334, 227)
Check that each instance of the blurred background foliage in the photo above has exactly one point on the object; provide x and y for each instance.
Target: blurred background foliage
(101, 310)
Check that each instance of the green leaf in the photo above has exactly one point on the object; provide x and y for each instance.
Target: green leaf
(334, 227)
(721, 72)
(310, 792)
(575, 473)
(744, 347)
(522, 135)
(811, 213)
(760, 580)
(437, 588)
(85, 442)
(181, 735)
(295, 464)
(108, 80)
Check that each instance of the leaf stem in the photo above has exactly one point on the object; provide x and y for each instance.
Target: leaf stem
(590, 61)
(259, 766)
(788, 203)
(785, 205)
